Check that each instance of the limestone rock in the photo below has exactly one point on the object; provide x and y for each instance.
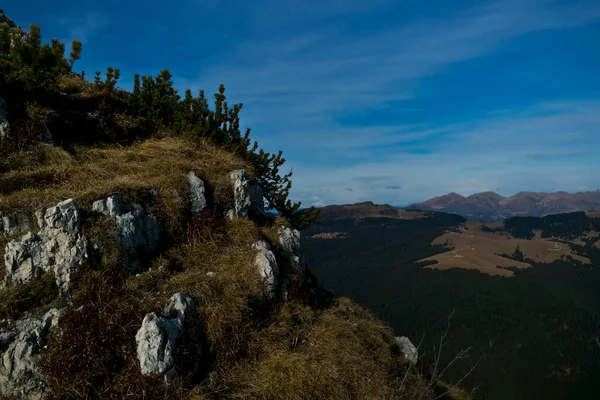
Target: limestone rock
(197, 193)
(179, 303)
(17, 223)
(137, 231)
(247, 197)
(4, 126)
(20, 375)
(153, 194)
(157, 336)
(290, 242)
(267, 267)
(39, 218)
(23, 259)
(47, 135)
(96, 118)
(58, 247)
(407, 349)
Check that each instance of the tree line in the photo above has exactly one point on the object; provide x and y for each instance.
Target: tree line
(43, 93)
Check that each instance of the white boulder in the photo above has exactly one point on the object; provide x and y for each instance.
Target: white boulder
(247, 197)
(136, 230)
(267, 267)
(407, 349)
(20, 376)
(289, 239)
(157, 336)
(59, 247)
(197, 190)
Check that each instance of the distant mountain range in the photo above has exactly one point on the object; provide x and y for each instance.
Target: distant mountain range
(490, 206)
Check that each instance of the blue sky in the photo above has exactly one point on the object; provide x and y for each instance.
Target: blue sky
(391, 101)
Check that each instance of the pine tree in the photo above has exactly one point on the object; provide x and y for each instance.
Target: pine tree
(134, 99)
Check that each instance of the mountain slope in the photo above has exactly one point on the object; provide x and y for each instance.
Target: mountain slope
(490, 206)
(248, 321)
(139, 261)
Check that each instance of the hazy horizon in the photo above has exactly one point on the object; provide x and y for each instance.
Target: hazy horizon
(444, 194)
(393, 102)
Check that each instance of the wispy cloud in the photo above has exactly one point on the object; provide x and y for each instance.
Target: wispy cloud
(322, 70)
(512, 152)
(300, 68)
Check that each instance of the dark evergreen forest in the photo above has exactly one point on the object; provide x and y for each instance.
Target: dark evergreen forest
(532, 336)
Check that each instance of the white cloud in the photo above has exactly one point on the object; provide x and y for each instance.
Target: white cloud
(513, 152)
(294, 81)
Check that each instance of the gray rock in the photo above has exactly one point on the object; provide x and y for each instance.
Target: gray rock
(17, 223)
(23, 259)
(4, 126)
(136, 231)
(153, 194)
(211, 274)
(289, 239)
(247, 197)
(39, 218)
(157, 336)
(267, 267)
(179, 303)
(20, 375)
(197, 193)
(47, 135)
(407, 349)
(96, 118)
(59, 247)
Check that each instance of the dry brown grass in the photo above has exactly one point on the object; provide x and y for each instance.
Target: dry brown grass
(478, 250)
(339, 353)
(90, 174)
(593, 214)
(251, 347)
(36, 296)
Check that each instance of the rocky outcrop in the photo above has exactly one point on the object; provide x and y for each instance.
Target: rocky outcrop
(247, 196)
(267, 267)
(137, 232)
(157, 337)
(4, 126)
(197, 193)
(21, 345)
(59, 247)
(289, 239)
(407, 349)
(17, 223)
(4, 20)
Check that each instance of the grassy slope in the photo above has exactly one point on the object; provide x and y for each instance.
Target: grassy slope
(311, 347)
